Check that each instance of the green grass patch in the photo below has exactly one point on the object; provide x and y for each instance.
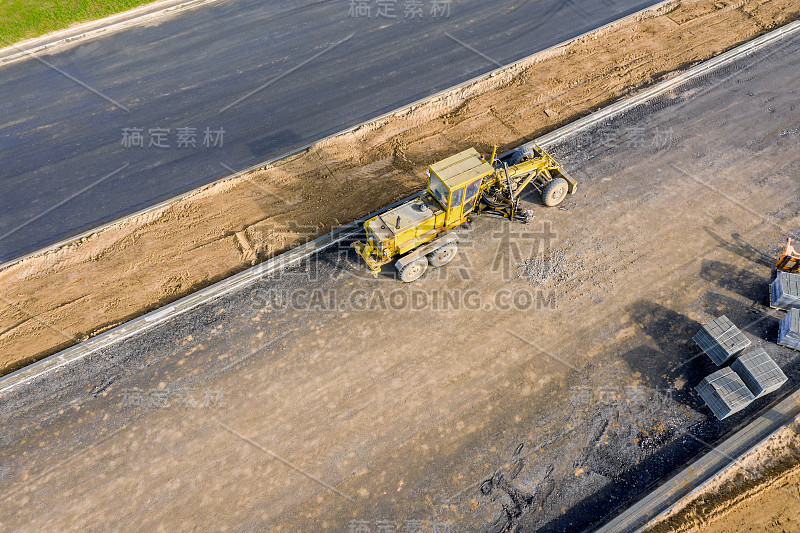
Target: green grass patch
(23, 19)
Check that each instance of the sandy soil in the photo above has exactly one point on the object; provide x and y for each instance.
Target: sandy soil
(55, 299)
(759, 493)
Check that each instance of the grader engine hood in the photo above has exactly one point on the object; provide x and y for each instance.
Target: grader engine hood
(402, 218)
(398, 230)
(404, 226)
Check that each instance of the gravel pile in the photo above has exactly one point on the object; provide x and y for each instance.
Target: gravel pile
(553, 266)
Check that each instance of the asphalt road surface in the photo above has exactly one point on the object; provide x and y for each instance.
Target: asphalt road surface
(484, 395)
(321, 68)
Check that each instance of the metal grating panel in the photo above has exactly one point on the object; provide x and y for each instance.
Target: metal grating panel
(784, 292)
(789, 333)
(724, 392)
(759, 372)
(721, 340)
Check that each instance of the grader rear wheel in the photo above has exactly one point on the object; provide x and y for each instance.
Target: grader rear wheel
(443, 255)
(414, 270)
(555, 192)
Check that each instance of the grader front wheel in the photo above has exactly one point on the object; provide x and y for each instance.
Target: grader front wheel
(555, 192)
(414, 270)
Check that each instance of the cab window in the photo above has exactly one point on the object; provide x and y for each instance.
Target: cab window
(439, 190)
(457, 197)
(472, 189)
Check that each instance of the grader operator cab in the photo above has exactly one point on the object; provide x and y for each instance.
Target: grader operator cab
(417, 233)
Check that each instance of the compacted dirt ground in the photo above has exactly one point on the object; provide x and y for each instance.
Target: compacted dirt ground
(58, 298)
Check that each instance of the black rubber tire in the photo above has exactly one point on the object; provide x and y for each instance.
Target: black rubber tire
(414, 270)
(521, 154)
(443, 254)
(555, 192)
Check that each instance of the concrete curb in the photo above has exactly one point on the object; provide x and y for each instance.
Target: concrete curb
(693, 73)
(695, 476)
(187, 303)
(95, 28)
(285, 155)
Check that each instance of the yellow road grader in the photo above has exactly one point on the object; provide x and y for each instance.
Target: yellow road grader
(417, 233)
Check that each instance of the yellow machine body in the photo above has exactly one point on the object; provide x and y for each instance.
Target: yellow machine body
(458, 186)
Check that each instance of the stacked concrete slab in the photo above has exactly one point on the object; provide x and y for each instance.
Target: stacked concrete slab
(725, 393)
(721, 340)
(789, 333)
(784, 292)
(759, 372)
